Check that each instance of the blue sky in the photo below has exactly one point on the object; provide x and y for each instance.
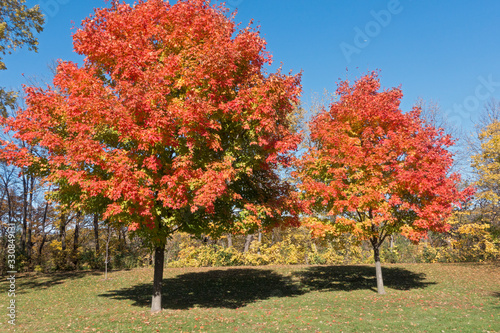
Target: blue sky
(446, 51)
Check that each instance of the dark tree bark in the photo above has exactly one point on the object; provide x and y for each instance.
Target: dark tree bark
(158, 277)
(9, 203)
(124, 232)
(121, 240)
(76, 235)
(44, 237)
(25, 213)
(62, 230)
(159, 261)
(29, 243)
(106, 262)
(96, 232)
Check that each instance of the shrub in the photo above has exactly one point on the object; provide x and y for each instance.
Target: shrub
(92, 260)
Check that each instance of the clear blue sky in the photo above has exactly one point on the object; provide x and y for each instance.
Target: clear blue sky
(446, 51)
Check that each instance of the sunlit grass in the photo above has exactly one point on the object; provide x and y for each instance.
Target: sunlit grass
(420, 298)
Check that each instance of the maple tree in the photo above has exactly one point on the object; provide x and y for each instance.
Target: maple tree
(372, 170)
(171, 121)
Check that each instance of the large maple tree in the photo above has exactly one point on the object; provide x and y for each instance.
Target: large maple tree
(171, 121)
(372, 170)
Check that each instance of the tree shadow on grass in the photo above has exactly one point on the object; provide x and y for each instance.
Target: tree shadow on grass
(237, 287)
(350, 278)
(496, 294)
(38, 282)
(228, 288)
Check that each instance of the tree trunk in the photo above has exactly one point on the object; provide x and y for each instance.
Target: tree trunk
(29, 243)
(124, 232)
(378, 270)
(11, 210)
(96, 232)
(76, 236)
(260, 240)
(77, 231)
(248, 241)
(158, 277)
(229, 241)
(121, 240)
(29, 246)
(44, 238)
(62, 231)
(25, 214)
(107, 253)
(40, 248)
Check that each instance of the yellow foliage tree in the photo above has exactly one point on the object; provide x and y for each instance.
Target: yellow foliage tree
(486, 162)
(470, 239)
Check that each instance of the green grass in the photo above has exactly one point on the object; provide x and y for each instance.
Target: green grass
(420, 298)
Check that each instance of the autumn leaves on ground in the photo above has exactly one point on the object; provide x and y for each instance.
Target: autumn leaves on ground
(420, 298)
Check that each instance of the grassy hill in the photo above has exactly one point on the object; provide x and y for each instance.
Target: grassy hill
(420, 298)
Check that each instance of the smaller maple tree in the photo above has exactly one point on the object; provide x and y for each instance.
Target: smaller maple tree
(372, 170)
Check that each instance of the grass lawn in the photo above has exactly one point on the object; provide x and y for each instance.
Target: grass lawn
(420, 298)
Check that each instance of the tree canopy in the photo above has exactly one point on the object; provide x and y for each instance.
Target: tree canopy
(171, 119)
(486, 163)
(373, 170)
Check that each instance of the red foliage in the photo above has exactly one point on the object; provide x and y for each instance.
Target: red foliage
(170, 109)
(373, 170)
